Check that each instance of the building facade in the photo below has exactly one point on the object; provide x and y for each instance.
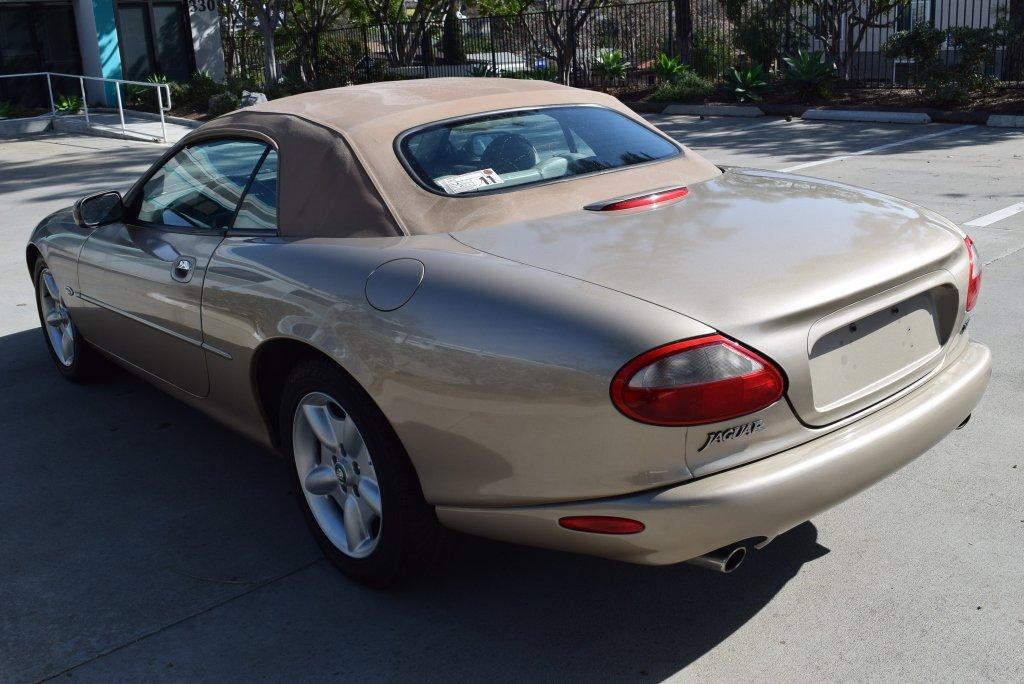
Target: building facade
(123, 39)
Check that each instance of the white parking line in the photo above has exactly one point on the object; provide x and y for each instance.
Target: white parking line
(989, 219)
(887, 146)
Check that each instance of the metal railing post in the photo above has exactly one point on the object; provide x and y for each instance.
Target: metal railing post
(160, 106)
(85, 100)
(120, 109)
(49, 91)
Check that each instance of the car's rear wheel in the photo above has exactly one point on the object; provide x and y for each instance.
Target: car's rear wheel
(358, 490)
(72, 355)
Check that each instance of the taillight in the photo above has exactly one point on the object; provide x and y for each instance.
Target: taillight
(974, 276)
(649, 200)
(696, 381)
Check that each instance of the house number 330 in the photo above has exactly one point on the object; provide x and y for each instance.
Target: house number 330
(202, 6)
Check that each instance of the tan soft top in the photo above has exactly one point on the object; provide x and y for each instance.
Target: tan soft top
(355, 185)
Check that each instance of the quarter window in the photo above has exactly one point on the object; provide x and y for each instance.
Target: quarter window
(201, 186)
(259, 208)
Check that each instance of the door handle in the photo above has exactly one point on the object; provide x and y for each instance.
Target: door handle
(182, 269)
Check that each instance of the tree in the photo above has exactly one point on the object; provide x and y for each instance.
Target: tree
(841, 25)
(311, 18)
(1013, 29)
(451, 36)
(402, 34)
(553, 26)
(269, 15)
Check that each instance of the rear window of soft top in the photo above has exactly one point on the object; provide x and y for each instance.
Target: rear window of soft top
(502, 150)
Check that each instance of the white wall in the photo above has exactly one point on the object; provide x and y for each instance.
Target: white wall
(206, 37)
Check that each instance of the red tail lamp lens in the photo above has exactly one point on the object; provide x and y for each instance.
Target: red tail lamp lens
(696, 381)
(601, 524)
(974, 278)
(650, 200)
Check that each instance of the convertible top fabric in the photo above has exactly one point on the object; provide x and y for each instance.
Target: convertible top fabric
(340, 175)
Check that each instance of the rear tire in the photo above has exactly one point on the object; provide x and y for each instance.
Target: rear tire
(355, 484)
(71, 354)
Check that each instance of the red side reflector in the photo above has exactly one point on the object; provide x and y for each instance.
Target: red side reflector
(601, 524)
(649, 200)
(974, 278)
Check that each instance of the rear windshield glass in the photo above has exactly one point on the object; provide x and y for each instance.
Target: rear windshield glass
(496, 151)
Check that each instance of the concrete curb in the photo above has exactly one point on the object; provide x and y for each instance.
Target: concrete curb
(18, 128)
(713, 110)
(865, 116)
(1005, 121)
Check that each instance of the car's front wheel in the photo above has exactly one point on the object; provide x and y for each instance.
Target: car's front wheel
(358, 490)
(72, 355)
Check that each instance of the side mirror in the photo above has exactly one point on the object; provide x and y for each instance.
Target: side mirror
(99, 209)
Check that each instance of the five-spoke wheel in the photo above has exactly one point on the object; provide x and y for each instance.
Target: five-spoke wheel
(337, 475)
(56, 321)
(359, 491)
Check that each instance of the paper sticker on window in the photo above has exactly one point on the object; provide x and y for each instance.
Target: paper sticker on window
(468, 182)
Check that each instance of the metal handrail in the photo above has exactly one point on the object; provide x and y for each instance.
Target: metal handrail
(162, 90)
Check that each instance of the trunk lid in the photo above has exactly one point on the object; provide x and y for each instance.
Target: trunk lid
(853, 293)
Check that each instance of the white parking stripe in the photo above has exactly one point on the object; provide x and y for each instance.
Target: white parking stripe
(989, 219)
(887, 146)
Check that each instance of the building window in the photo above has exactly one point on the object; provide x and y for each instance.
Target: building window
(155, 38)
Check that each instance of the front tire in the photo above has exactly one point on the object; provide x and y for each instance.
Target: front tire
(357, 488)
(72, 355)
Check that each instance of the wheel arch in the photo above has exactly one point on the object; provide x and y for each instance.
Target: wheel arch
(32, 255)
(271, 363)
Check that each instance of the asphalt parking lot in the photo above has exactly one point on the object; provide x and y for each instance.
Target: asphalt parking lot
(141, 540)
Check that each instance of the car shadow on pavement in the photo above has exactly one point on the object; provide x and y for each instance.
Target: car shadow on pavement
(139, 538)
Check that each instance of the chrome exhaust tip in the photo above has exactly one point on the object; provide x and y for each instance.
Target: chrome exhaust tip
(725, 559)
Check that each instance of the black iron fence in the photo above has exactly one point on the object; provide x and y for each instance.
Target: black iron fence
(617, 45)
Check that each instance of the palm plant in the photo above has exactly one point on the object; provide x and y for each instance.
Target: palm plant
(610, 65)
(810, 74)
(746, 85)
(668, 69)
(68, 104)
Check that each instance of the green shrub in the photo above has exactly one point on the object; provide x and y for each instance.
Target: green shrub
(688, 87)
(746, 84)
(68, 104)
(809, 74)
(543, 74)
(6, 110)
(482, 71)
(938, 81)
(222, 103)
(710, 55)
(668, 68)
(610, 66)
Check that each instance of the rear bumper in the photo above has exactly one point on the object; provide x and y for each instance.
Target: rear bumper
(761, 499)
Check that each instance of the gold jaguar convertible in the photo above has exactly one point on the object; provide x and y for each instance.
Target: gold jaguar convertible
(518, 310)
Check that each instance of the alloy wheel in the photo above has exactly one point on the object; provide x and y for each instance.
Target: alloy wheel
(59, 329)
(336, 474)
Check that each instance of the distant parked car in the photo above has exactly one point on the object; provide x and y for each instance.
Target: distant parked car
(519, 310)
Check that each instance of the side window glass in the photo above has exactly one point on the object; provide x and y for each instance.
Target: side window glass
(200, 186)
(259, 208)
